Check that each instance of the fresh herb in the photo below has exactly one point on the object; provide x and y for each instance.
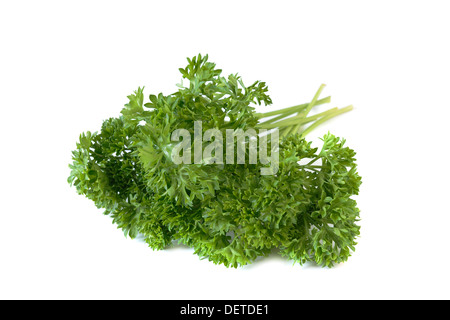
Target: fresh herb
(230, 213)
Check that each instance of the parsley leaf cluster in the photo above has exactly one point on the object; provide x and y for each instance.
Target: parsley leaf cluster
(229, 213)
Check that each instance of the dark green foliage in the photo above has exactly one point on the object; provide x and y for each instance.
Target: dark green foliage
(230, 214)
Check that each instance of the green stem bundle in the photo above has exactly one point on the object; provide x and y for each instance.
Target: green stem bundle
(288, 124)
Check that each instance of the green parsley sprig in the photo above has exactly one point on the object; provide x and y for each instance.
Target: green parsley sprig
(230, 213)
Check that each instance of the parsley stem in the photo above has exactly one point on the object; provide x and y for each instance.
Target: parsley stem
(279, 117)
(299, 119)
(314, 100)
(289, 130)
(326, 118)
(312, 161)
(285, 132)
(296, 128)
(290, 110)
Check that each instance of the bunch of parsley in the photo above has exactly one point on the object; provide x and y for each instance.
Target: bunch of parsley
(230, 213)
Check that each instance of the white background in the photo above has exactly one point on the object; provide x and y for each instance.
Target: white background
(66, 66)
